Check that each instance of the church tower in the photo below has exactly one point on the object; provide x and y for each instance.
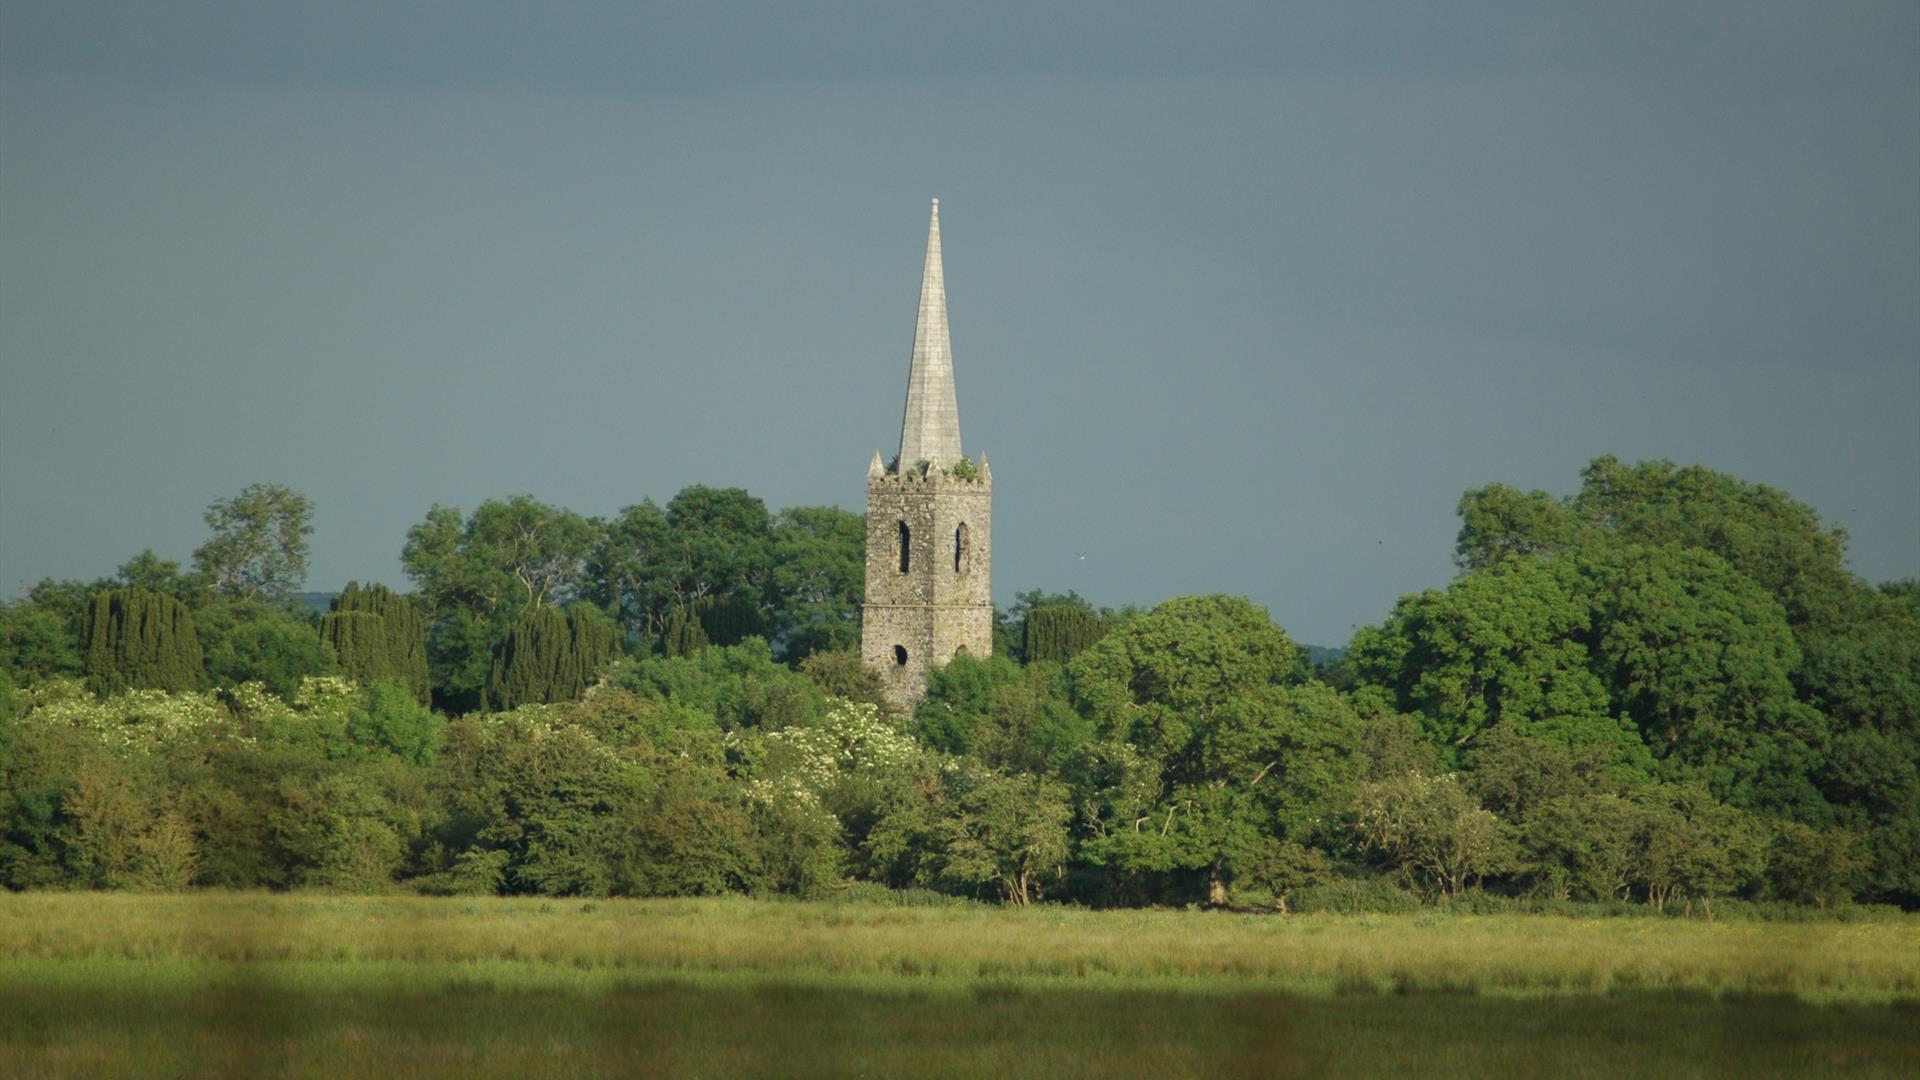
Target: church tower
(929, 519)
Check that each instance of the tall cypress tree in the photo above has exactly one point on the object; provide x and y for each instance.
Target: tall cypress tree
(549, 657)
(683, 636)
(1060, 632)
(729, 620)
(359, 640)
(378, 635)
(595, 641)
(139, 639)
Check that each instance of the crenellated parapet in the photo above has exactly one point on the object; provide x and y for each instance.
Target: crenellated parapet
(963, 474)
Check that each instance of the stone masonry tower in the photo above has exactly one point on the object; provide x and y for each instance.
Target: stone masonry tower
(929, 519)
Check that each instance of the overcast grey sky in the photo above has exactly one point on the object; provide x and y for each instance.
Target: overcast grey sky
(1243, 295)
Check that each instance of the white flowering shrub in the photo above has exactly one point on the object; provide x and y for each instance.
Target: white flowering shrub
(811, 778)
(850, 741)
(546, 730)
(538, 720)
(136, 721)
(316, 720)
(319, 718)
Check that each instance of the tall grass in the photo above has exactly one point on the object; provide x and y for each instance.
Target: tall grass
(591, 945)
(258, 984)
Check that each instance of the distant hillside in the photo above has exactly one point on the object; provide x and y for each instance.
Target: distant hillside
(1322, 657)
(316, 601)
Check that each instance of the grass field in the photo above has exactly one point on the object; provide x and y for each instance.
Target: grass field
(222, 984)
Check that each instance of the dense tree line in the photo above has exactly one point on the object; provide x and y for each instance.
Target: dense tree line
(713, 567)
(1664, 690)
(1690, 628)
(712, 557)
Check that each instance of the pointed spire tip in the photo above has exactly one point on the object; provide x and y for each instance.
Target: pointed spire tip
(931, 425)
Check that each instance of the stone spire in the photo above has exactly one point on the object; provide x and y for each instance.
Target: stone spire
(931, 430)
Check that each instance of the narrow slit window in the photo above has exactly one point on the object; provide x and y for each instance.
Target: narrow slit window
(906, 548)
(960, 549)
(900, 655)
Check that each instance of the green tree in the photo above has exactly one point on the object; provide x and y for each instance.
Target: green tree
(1512, 773)
(1861, 660)
(508, 556)
(1582, 843)
(50, 637)
(1504, 643)
(1874, 777)
(140, 640)
(37, 642)
(690, 831)
(154, 574)
(550, 657)
(254, 641)
(1861, 669)
(259, 543)
(1693, 847)
(684, 635)
(619, 574)
(389, 720)
(549, 795)
(1779, 543)
(843, 674)
(1821, 867)
(850, 765)
(818, 576)
(717, 544)
(962, 694)
(735, 687)
(1009, 832)
(1575, 832)
(1699, 656)
(1009, 628)
(1727, 627)
(1432, 830)
(44, 635)
(378, 634)
(1002, 714)
(109, 812)
(1202, 749)
(359, 643)
(226, 793)
(477, 575)
(1499, 522)
(346, 829)
(1057, 633)
(167, 854)
(460, 649)
(729, 620)
(801, 847)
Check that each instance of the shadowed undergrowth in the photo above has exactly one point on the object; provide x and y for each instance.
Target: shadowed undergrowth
(683, 1030)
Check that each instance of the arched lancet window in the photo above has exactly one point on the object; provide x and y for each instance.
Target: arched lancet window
(900, 655)
(960, 549)
(906, 547)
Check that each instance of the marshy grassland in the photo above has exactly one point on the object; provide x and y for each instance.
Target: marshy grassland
(258, 984)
